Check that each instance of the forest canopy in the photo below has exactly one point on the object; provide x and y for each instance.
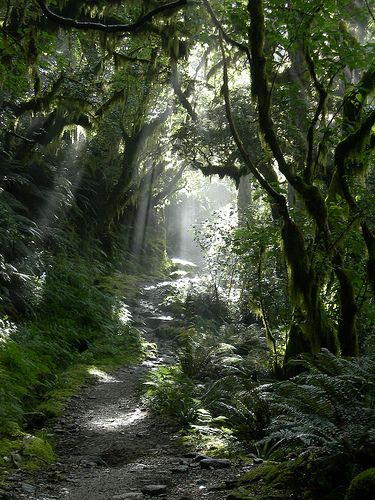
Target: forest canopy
(160, 88)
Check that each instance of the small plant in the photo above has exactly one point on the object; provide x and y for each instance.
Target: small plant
(171, 394)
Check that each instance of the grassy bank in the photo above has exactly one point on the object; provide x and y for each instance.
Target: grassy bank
(79, 324)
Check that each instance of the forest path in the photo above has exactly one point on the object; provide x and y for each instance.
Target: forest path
(110, 447)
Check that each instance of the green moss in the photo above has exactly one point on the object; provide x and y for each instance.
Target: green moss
(40, 389)
(10, 428)
(273, 473)
(104, 357)
(26, 451)
(362, 486)
(211, 441)
(37, 451)
(239, 494)
(270, 480)
(7, 448)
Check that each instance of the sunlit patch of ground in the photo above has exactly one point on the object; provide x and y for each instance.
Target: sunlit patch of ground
(121, 421)
(102, 376)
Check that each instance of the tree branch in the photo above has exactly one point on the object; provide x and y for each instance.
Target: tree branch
(352, 141)
(38, 103)
(149, 128)
(30, 141)
(226, 37)
(277, 197)
(170, 187)
(108, 28)
(179, 93)
(369, 10)
(311, 195)
(323, 95)
(260, 88)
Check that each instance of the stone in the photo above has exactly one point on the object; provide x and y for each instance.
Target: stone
(201, 481)
(154, 489)
(180, 469)
(215, 463)
(134, 495)
(28, 488)
(199, 458)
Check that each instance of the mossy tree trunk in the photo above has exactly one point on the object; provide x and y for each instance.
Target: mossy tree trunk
(310, 267)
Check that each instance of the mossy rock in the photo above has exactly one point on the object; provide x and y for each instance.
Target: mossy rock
(270, 480)
(240, 494)
(8, 447)
(10, 428)
(245, 494)
(272, 473)
(37, 451)
(362, 486)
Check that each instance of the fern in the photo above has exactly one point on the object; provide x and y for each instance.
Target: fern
(326, 413)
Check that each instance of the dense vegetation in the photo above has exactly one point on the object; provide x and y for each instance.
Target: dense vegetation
(108, 110)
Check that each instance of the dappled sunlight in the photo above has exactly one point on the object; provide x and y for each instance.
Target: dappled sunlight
(165, 318)
(183, 262)
(7, 329)
(102, 376)
(116, 421)
(180, 283)
(123, 313)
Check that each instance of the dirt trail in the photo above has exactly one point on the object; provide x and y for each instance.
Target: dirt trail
(110, 447)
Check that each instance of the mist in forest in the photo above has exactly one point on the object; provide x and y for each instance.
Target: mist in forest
(189, 209)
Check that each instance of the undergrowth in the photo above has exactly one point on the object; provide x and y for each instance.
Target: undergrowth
(316, 428)
(78, 324)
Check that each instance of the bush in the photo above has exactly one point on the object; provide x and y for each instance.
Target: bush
(171, 394)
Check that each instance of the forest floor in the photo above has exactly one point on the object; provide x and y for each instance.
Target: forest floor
(110, 446)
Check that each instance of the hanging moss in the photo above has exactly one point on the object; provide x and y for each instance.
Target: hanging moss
(350, 153)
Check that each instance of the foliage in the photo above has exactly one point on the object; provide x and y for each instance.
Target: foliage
(317, 426)
(44, 360)
(212, 386)
(96, 134)
(269, 480)
(325, 415)
(172, 395)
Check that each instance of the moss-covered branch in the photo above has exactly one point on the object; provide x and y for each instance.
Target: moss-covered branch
(323, 94)
(109, 28)
(278, 198)
(39, 103)
(241, 46)
(179, 92)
